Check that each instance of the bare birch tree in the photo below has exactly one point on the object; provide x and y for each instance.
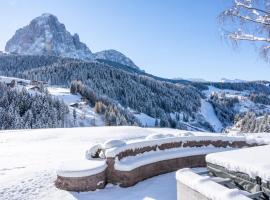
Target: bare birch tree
(248, 20)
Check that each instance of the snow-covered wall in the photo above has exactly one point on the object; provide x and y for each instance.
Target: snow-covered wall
(182, 141)
(207, 188)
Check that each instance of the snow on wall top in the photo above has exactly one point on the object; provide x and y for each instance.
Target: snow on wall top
(145, 143)
(132, 162)
(253, 161)
(208, 187)
(81, 168)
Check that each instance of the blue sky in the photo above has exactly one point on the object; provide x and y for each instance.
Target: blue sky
(172, 38)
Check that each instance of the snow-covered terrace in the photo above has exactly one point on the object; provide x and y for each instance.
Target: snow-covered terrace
(253, 161)
(29, 159)
(249, 168)
(128, 163)
(193, 186)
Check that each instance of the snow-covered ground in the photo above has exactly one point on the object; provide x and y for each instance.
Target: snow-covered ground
(29, 159)
(86, 116)
(161, 187)
(244, 105)
(209, 114)
(252, 161)
(207, 186)
(146, 120)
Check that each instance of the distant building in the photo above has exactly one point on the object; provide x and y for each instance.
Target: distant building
(74, 105)
(35, 88)
(22, 83)
(38, 83)
(12, 84)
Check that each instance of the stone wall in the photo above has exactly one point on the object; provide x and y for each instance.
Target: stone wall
(82, 184)
(129, 178)
(203, 143)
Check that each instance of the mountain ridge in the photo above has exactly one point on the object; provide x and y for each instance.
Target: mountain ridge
(45, 35)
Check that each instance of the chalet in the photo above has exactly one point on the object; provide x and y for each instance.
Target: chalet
(38, 83)
(35, 88)
(12, 84)
(22, 83)
(74, 105)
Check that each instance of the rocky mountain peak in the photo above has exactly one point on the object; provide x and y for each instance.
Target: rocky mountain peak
(47, 36)
(115, 56)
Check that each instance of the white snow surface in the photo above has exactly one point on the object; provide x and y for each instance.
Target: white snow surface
(132, 162)
(113, 144)
(210, 116)
(244, 105)
(207, 187)
(29, 159)
(196, 137)
(253, 161)
(92, 151)
(81, 168)
(86, 116)
(6, 79)
(146, 120)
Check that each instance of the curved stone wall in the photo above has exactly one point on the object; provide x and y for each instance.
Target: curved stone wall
(131, 177)
(82, 184)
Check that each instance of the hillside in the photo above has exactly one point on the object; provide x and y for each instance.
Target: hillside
(132, 97)
(107, 88)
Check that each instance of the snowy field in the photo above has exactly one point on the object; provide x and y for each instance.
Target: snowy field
(29, 160)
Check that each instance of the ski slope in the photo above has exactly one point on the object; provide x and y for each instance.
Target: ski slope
(209, 114)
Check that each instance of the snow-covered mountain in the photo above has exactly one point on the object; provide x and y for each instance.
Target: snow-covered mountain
(226, 80)
(45, 35)
(115, 56)
(200, 80)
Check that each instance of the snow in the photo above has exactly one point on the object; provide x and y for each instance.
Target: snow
(64, 94)
(158, 136)
(253, 161)
(132, 162)
(244, 105)
(86, 115)
(207, 187)
(115, 56)
(92, 151)
(161, 187)
(81, 168)
(45, 34)
(6, 79)
(146, 120)
(113, 144)
(185, 134)
(232, 93)
(29, 158)
(225, 80)
(209, 114)
(156, 142)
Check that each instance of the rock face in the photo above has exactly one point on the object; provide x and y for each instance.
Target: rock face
(115, 56)
(45, 35)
